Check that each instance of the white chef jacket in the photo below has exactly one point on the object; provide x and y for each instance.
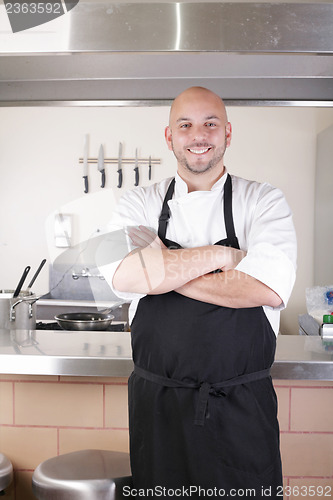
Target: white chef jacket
(262, 219)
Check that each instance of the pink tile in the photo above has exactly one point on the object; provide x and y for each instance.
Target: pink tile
(312, 409)
(306, 454)
(309, 488)
(283, 395)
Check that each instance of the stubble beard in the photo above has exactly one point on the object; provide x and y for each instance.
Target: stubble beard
(203, 168)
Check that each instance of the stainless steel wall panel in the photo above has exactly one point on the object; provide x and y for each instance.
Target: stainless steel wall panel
(152, 51)
(162, 91)
(204, 26)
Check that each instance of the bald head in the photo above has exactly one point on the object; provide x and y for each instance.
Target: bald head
(198, 134)
(194, 96)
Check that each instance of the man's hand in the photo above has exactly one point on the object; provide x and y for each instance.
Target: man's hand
(143, 237)
(153, 268)
(230, 289)
(233, 257)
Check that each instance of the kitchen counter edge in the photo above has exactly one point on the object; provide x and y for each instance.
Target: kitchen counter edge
(108, 354)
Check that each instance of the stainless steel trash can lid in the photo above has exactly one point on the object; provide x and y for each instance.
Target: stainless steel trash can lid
(6, 472)
(81, 475)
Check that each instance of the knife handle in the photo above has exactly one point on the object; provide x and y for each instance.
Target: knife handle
(149, 172)
(86, 189)
(120, 178)
(103, 179)
(136, 170)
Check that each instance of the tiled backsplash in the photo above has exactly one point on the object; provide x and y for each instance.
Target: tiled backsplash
(41, 417)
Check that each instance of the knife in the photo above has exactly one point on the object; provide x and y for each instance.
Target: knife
(85, 165)
(101, 164)
(149, 168)
(120, 170)
(136, 169)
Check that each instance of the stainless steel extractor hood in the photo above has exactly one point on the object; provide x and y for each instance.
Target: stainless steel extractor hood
(146, 53)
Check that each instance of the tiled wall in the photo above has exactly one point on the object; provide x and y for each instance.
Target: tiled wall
(306, 429)
(41, 417)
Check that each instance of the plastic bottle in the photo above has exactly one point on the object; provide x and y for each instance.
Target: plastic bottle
(327, 327)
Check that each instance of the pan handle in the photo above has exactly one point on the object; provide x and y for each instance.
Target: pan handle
(105, 311)
(19, 286)
(36, 273)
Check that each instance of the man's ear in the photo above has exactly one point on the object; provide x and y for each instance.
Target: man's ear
(168, 137)
(228, 134)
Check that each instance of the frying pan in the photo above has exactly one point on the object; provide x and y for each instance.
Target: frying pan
(84, 320)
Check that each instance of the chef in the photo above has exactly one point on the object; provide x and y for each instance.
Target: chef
(213, 265)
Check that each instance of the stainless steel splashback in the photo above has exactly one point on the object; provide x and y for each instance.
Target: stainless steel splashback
(106, 53)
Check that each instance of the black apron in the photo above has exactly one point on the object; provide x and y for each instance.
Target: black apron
(202, 407)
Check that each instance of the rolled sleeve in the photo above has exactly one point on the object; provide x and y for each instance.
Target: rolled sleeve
(117, 244)
(271, 266)
(108, 271)
(269, 240)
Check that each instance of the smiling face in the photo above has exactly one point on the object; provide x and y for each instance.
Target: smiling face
(198, 134)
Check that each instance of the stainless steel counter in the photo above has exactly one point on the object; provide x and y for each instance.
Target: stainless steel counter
(48, 352)
(108, 354)
(301, 357)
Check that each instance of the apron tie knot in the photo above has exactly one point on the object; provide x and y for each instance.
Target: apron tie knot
(217, 392)
(205, 388)
(200, 413)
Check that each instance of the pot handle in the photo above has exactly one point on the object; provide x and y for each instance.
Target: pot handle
(30, 302)
(12, 310)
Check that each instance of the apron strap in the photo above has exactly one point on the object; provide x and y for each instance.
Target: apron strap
(205, 388)
(230, 240)
(227, 205)
(165, 213)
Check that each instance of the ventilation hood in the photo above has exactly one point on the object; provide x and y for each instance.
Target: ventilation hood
(103, 53)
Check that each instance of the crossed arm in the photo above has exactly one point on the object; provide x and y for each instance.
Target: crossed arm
(154, 269)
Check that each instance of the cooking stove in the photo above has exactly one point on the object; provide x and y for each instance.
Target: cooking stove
(47, 309)
(116, 326)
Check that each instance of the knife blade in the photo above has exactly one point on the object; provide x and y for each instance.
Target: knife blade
(149, 168)
(136, 169)
(85, 164)
(101, 164)
(120, 170)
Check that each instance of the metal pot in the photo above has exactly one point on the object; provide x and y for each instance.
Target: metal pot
(18, 313)
(84, 321)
